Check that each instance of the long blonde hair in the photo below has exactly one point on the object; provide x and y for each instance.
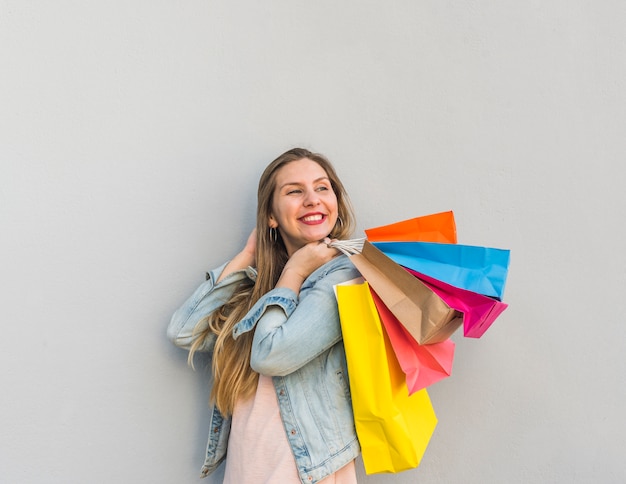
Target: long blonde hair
(233, 378)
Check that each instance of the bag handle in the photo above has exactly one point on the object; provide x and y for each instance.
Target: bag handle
(349, 247)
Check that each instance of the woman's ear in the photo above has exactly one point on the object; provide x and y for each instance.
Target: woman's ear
(272, 223)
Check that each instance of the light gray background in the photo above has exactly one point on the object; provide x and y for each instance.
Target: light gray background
(132, 135)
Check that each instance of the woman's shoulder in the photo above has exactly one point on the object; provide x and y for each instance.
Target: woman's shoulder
(339, 269)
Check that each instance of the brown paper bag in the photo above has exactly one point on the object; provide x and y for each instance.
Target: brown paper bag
(420, 310)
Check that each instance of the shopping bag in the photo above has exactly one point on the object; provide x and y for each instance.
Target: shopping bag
(479, 312)
(423, 365)
(477, 269)
(437, 227)
(421, 311)
(393, 428)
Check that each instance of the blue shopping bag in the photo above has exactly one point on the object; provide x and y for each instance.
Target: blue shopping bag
(479, 269)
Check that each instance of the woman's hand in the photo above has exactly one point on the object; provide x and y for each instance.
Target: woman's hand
(310, 257)
(249, 250)
(245, 258)
(303, 262)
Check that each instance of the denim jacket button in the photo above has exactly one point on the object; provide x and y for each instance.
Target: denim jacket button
(293, 431)
(251, 273)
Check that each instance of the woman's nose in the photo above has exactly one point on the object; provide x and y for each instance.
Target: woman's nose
(311, 199)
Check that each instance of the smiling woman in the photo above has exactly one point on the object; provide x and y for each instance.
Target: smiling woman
(269, 316)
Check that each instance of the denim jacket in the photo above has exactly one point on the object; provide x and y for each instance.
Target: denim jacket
(298, 342)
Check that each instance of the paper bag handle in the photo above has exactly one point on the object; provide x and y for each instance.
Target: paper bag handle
(349, 247)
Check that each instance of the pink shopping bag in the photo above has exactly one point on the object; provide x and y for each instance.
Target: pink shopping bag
(479, 312)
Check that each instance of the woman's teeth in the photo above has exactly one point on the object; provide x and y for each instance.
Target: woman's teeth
(312, 218)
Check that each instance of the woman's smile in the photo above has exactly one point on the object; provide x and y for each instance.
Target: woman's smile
(313, 219)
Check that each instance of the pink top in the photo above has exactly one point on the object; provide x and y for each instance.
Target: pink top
(258, 450)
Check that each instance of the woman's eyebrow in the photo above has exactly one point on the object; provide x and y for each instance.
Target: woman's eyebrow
(317, 180)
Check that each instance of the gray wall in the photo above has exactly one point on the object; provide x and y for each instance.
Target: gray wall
(132, 135)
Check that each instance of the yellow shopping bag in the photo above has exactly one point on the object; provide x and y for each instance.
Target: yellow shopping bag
(393, 428)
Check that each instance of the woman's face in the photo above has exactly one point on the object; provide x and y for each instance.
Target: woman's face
(304, 205)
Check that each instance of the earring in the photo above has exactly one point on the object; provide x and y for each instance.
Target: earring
(273, 234)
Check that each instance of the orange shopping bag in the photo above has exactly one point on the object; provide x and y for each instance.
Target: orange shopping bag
(437, 227)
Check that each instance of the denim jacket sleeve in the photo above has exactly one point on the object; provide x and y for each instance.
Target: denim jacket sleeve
(290, 330)
(205, 299)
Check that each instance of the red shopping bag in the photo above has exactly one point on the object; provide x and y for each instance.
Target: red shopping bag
(423, 365)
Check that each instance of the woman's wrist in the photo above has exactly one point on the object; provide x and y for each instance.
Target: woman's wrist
(239, 262)
(246, 259)
(291, 279)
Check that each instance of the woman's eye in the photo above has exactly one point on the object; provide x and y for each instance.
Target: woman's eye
(322, 188)
(294, 191)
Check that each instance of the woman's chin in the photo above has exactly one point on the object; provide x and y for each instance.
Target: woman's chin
(317, 235)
